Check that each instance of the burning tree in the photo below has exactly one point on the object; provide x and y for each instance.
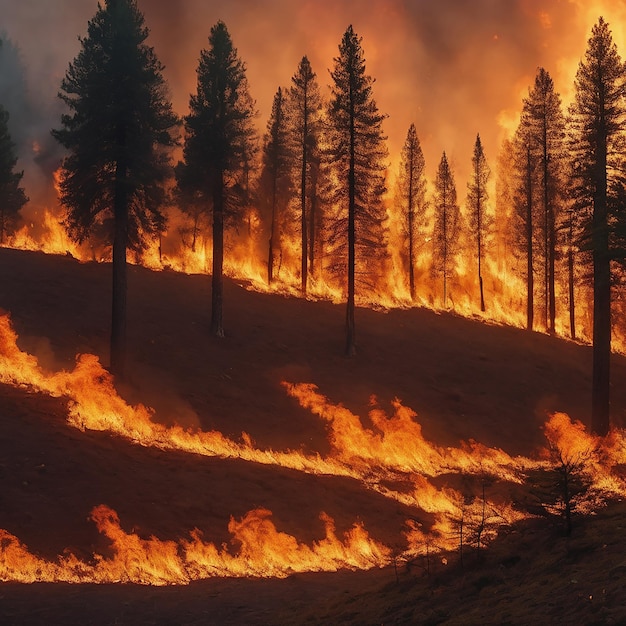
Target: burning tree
(118, 134)
(12, 196)
(276, 183)
(479, 220)
(357, 152)
(219, 134)
(598, 118)
(412, 197)
(305, 108)
(447, 224)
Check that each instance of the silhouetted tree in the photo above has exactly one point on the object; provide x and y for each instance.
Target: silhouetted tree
(525, 205)
(219, 133)
(598, 118)
(480, 221)
(446, 225)
(544, 121)
(12, 196)
(305, 107)
(412, 196)
(357, 152)
(276, 181)
(118, 135)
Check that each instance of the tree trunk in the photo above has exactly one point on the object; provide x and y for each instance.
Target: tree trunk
(312, 218)
(303, 222)
(530, 287)
(570, 275)
(600, 391)
(217, 279)
(350, 325)
(120, 244)
(270, 254)
(411, 213)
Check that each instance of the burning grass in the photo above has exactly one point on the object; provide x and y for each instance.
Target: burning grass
(391, 457)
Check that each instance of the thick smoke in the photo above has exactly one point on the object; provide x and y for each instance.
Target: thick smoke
(452, 67)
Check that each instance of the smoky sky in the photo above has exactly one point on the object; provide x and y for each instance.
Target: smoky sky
(452, 67)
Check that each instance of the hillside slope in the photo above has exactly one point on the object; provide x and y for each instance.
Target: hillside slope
(466, 380)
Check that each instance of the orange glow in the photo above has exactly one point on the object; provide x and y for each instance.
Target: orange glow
(263, 552)
(392, 458)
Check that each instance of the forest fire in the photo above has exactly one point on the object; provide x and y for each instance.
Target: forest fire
(471, 232)
(392, 458)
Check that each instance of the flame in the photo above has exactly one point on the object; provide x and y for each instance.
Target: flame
(263, 552)
(392, 458)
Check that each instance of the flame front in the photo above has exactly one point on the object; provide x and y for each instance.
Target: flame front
(392, 458)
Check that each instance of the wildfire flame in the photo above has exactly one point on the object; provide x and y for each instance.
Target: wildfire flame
(393, 452)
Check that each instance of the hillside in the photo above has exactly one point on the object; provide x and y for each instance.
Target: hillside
(464, 379)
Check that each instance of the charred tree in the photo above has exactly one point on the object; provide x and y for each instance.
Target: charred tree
(218, 137)
(118, 133)
(446, 225)
(305, 107)
(357, 153)
(480, 221)
(412, 198)
(12, 196)
(597, 125)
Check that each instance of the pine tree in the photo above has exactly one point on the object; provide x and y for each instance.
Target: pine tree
(12, 196)
(276, 181)
(446, 226)
(597, 125)
(525, 205)
(480, 220)
(305, 105)
(219, 134)
(546, 126)
(412, 197)
(357, 152)
(118, 134)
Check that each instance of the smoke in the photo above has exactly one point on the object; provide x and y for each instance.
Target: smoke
(454, 68)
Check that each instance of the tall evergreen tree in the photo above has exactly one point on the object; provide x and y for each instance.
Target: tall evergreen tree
(597, 125)
(357, 152)
(12, 196)
(219, 133)
(276, 182)
(118, 134)
(305, 104)
(480, 221)
(412, 197)
(545, 124)
(446, 225)
(524, 199)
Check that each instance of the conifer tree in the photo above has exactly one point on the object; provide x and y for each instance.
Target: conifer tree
(305, 106)
(412, 197)
(597, 133)
(12, 196)
(480, 221)
(357, 153)
(276, 181)
(525, 205)
(118, 135)
(446, 225)
(218, 144)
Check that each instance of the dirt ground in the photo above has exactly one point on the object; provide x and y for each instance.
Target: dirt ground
(465, 379)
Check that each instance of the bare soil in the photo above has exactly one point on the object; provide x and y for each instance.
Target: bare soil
(465, 379)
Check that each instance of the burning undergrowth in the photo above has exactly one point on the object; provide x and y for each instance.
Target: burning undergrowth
(462, 496)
